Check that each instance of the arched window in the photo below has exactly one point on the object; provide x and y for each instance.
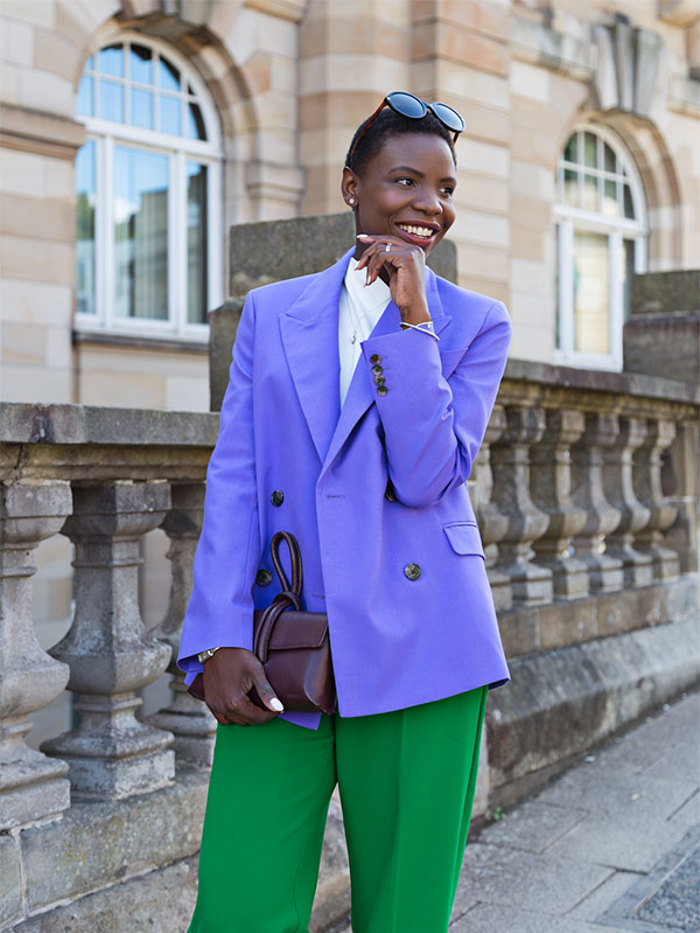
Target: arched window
(601, 241)
(149, 193)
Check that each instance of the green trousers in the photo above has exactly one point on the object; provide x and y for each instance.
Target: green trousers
(406, 782)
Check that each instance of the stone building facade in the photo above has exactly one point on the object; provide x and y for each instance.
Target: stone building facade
(579, 164)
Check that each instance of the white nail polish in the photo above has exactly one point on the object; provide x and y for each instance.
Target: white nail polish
(276, 705)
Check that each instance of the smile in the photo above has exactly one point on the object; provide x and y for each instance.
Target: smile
(417, 231)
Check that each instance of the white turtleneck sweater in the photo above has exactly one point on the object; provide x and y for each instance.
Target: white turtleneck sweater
(360, 308)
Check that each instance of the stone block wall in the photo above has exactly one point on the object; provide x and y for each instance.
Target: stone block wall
(290, 81)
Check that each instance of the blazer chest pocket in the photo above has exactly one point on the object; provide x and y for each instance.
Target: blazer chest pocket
(464, 538)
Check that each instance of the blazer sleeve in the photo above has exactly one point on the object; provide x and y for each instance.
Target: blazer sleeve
(434, 428)
(220, 609)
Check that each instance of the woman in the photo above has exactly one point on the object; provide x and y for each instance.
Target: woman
(357, 402)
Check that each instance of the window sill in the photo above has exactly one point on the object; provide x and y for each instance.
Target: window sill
(141, 342)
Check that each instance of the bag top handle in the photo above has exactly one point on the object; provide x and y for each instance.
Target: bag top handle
(295, 559)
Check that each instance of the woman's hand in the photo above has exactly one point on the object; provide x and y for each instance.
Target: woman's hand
(404, 264)
(229, 676)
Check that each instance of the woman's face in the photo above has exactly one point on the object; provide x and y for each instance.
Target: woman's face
(406, 190)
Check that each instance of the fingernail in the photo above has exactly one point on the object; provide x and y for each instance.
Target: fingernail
(276, 705)
(364, 236)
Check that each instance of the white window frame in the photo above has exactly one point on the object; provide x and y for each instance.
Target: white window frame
(569, 219)
(180, 149)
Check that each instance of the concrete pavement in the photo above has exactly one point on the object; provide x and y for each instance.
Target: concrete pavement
(613, 844)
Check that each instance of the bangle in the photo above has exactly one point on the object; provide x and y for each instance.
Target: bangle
(205, 655)
(427, 327)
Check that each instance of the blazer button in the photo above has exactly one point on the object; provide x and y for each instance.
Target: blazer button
(389, 493)
(375, 358)
(412, 571)
(382, 390)
(379, 380)
(377, 369)
(263, 578)
(277, 497)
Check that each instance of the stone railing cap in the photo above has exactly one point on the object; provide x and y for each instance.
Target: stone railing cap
(636, 384)
(28, 423)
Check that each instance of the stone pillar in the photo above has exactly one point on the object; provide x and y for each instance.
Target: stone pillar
(604, 571)
(188, 719)
(510, 461)
(111, 753)
(492, 524)
(550, 483)
(617, 482)
(32, 786)
(682, 475)
(646, 471)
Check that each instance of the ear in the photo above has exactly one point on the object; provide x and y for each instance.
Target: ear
(349, 187)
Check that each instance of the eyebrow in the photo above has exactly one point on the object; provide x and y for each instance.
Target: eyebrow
(414, 171)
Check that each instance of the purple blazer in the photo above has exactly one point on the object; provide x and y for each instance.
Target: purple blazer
(375, 493)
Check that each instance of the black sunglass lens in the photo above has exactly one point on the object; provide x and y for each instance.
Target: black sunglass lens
(407, 105)
(452, 120)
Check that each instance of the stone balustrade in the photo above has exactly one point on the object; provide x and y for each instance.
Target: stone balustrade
(586, 489)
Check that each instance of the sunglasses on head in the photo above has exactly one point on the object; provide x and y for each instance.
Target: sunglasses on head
(408, 105)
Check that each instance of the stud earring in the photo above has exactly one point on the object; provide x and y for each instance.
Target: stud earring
(351, 200)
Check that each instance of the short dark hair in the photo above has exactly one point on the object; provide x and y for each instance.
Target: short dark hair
(389, 123)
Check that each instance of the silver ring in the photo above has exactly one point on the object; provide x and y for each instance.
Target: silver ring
(387, 248)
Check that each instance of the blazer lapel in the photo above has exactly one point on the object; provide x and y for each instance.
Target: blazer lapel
(309, 330)
(361, 391)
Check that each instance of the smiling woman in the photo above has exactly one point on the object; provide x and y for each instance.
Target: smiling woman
(376, 380)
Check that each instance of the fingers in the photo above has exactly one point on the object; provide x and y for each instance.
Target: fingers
(266, 692)
(229, 677)
(376, 255)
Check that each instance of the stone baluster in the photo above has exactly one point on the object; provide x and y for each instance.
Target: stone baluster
(189, 720)
(619, 488)
(492, 524)
(550, 483)
(646, 471)
(682, 479)
(110, 654)
(510, 460)
(32, 786)
(604, 571)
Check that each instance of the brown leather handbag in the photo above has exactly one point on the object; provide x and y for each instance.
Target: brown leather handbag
(292, 645)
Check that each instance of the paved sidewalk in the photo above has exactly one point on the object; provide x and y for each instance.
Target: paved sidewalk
(612, 844)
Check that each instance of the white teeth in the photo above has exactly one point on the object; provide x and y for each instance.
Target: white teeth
(417, 231)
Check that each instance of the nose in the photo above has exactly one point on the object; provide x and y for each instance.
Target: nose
(428, 201)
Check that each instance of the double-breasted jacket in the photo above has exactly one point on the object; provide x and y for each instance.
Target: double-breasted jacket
(376, 493)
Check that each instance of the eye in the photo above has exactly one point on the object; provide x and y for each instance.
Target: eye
(447, 190)
(404, 181)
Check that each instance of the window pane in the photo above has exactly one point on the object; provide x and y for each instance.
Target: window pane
(141, 64)
(611, 207)
(591, 292)
(110, 61)
(571, 151)
(168, 76)
(85, 236)
(590, 193)
(197, 299)
(195, 123)
(140, 234)
(85, 102)
(142, 108)
(629, 206)
(170, 108)
(610, 160)
(590, 150)
(627, 273)
(571, 187)
(111, 101)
